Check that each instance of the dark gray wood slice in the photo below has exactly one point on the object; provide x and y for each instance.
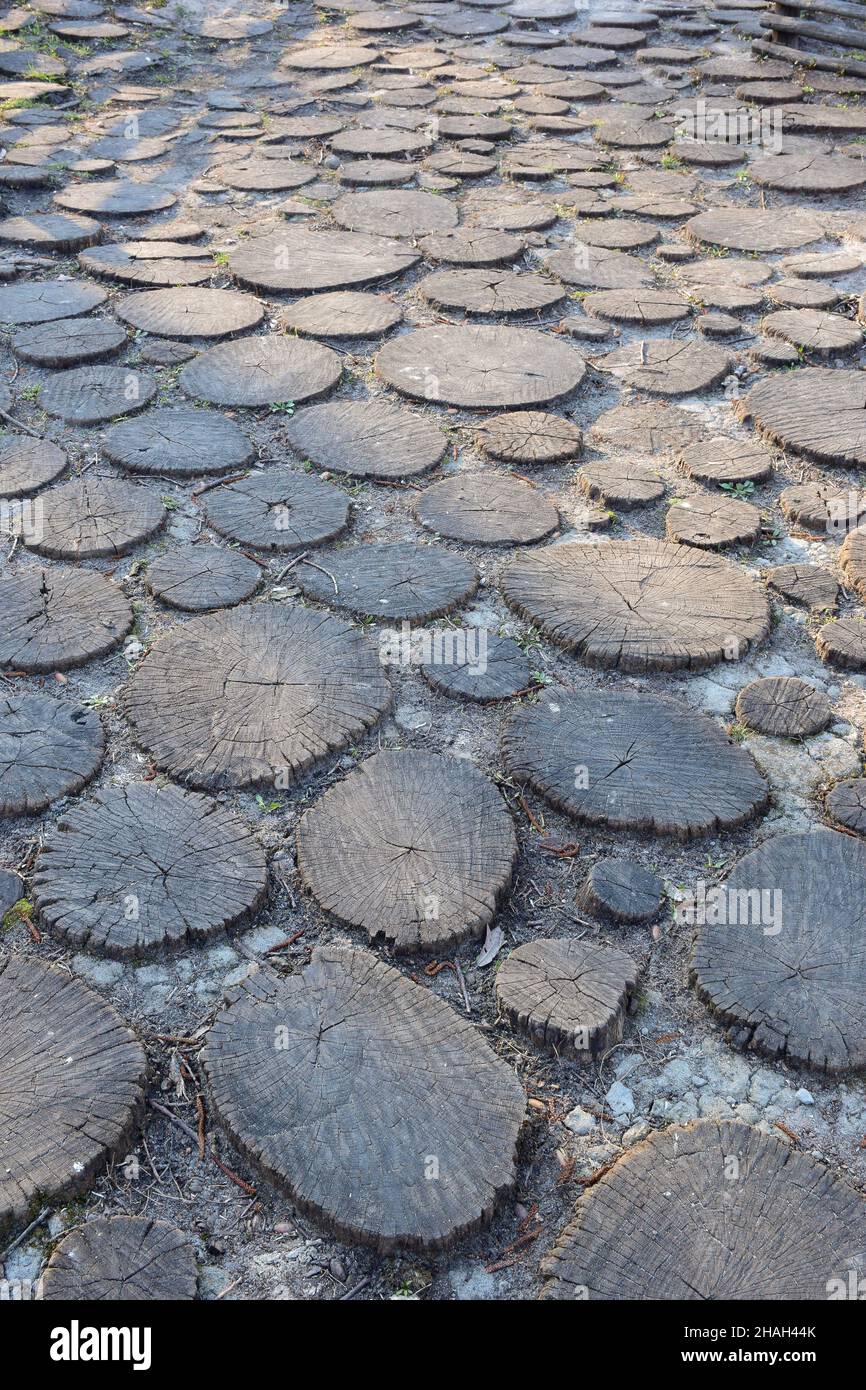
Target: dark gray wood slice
(616, 234)
(818, 264)
(668, 1222)
(621, 890)
(90, 395)
(724, 460)
(476, 665)
(40, 301)
(802, 294)
(397, 580)
(407, 213)
(301, 261)
(388, 142)
(712, 522)
(27, 464)
(68, 342)
(378, 173)
(480, 367)
(162, 352)
(489, 291)
(190, 313)
(843, 643)
(179, 443)
(48, 749)
(119, 1258)
(280, 509)
(460, 164)
(648, 429)
(615, 758)
(263, 175)
(472, 247)
(372, 1113)
(639, 605)
(117, 262)
(367, 439)
(413, 847)
(825, 506)
(261, 371)
(506, 216)
(198, 578)
(780, 955)
(804, 173)
(817, 412)
(342, 314)
(11, 891)
(255, 696)
(114, 198)
(619, 483)
(89, 517)
(668, 366)
(51, 620)
(754, 229)
(648, 308)
(823, 334)
(329, 57)
(529, 437)
(71, 1091)
(143, 866)
(846, 803)
(809, 585)
(568, 997)
(853, 560)
(725, 271)
(486, 509)
(50, 231)
(784, 707)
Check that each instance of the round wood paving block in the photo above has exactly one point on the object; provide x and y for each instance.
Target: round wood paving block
(396, 580)
(51, 620)
(754, 229)
(40, 301)
(648, 308)
(480, 367)
(722, 460)
(814, 331)
(329, 57)
(827, 506)
(642, 605)
(846, 803)
(668, 367)
(414, 847)
(89, 517)
(119, 1258)
(853, 559)
(819, 264)
(817, 412)
(648, 429)
(843, 643)
(609, 757)
(529, 437)
(90, 395)
(382, 141)
(507, 216)
(50, 231)
(399, 213)
(190, 313)
(69, 341)
(619, 483)
(712, 522)
(143, 866)
(263, 175)
(367, 439)
(591, 267)
(780, 956)
(114, 198)
(178, 442)
(616, 234)
(486, 509)
(71, 1090)
(784, 707)
(48, 749)
(809, 585)
(375, 173)
(472, 246)
(802, 294)
(121, 261)
(621, 890)
(255, 696)
(808, 173)
(280, 509)
(261, 371)
(342, 314)
(370, 1081)
(489, 291)
(198, 578)
(568, 997)
(479, 666)
(28, 464)
(668, 1222)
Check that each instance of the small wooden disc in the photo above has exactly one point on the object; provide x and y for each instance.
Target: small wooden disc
(120, 1258)
(568, 997)
(784, 707)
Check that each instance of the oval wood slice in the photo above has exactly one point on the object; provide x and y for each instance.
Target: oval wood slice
(609, 757)
(263, 175)
(51, 620)
(723, 460)
(481, 666)
(353, 1034)
(594, 268)
(843, 643)
(114, 198)
(190, 313)
(298, 260)
(846, 803)
(480, 367)
(390, 580)
(48, 749)
(278, 510)
(568, 997)
(90, 517)
(143, 866)
(367, 439)
(90, 395)
(809, 585)
(69, 342)
(668, 366)
(168, 264)
(489, 291)
(754, 229)
(817, 412)
(261, 371)
(486, 509)
(255, 696)
(399, 213)
(712, 522)
(618, 483)
(529, 437)
(178, 442)
(783, 706)
(824, 506)
(27, 464)
(71, 1088)
(119, 1258)
(814, 331)
(40, 301)
(198, 578)
(647, 429)
(853, 560)
(621, 890)
(342, 314)
(50, 231)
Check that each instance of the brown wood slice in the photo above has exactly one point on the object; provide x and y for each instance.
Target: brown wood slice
(853, 560)
(114, 198)
(472, 247)
(486, 509)
(668, 367)
(846, 803)
(823, 506)
(474, 665)
(594, 268)
(27, 464)
(489, 291)
(278, 510)
(71, 1089)
(809, 585)
(618, 483)
(403, 212)
(367, 439)
(51, 620)
(614, 757)
(119, 1258)
(69, 342)
(190, 313)
(480, 367)
(178, 442)
(51, 231)
(723, 460)
(397, 580)
(255, 696)
(342, 314)
(89, 395)
(621, 890)
(198, 578)
(675, 1219)
(648, 308)
(568, 997)
(143, 866)
(817, 412)
(843, 643)
(642, 605)
(712, 522)
(780, 950)
(814, 331)
(261, 371)
(120, 262)
(529, 437)
(647, 429)
(40, 301)
(754, 229)
(784, 707)
(301, 261)
(808, 173)
(263, 175)
(396, 1083)
(90, 517)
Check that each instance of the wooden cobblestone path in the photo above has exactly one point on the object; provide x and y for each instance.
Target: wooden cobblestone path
(433, 648)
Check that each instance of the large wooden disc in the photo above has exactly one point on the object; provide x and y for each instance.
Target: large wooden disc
(621, 483)
(48, 749)
(384, 1114)
(814, 331)
(114, 198)
(142, 866)
(724, 460)
(263, 175)
(197, 578)
(647, 429)
(784, 707)
(676, 1219)
(614, 757)
(486, 509)
(489, 291)
(568, 996)
(398, 580)
(71, 1086)
(27, 464)
(280, 509)
(594, 268)
(67, 342)
(52, 231)
(90, 516)
(414, 847)
(40, 301)
(120, 1258)
(403, 212)
(808, 173)
(165, 265)
(53, 619)
(190, 313)
(818, 412)
(261, 371)
(642, 605)
(668, 366)
(178, 442)
(809, 585)
(342, 314)
(529, 437)
(367, 439)
(712, 522)
(480, 367)
(295, 259)
(255, 696)
(89, 395)
(781, 951)
(754, 229)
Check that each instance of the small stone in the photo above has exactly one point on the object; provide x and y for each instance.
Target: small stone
(620, 1101)
(411, 719)
(636, 1132)
(579, 1121)
(97, 972)
(332, 162)
(804, 1097)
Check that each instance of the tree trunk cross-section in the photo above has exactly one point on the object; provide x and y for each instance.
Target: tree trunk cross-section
(51, 620)
(261, 371)
(399, 580)
(413, 847)
(480, 367)
(846, 803)
(28, 464)
(48, 749)
(120, 1258)
(71, 1086)
(568, 996)
(197, 578)
(784, 707)
(384, 1114)
(179, 443)
(714, 1212)
(486, 509)
(367, 439)
(816, 412)
(279, 509)
(91, 517)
